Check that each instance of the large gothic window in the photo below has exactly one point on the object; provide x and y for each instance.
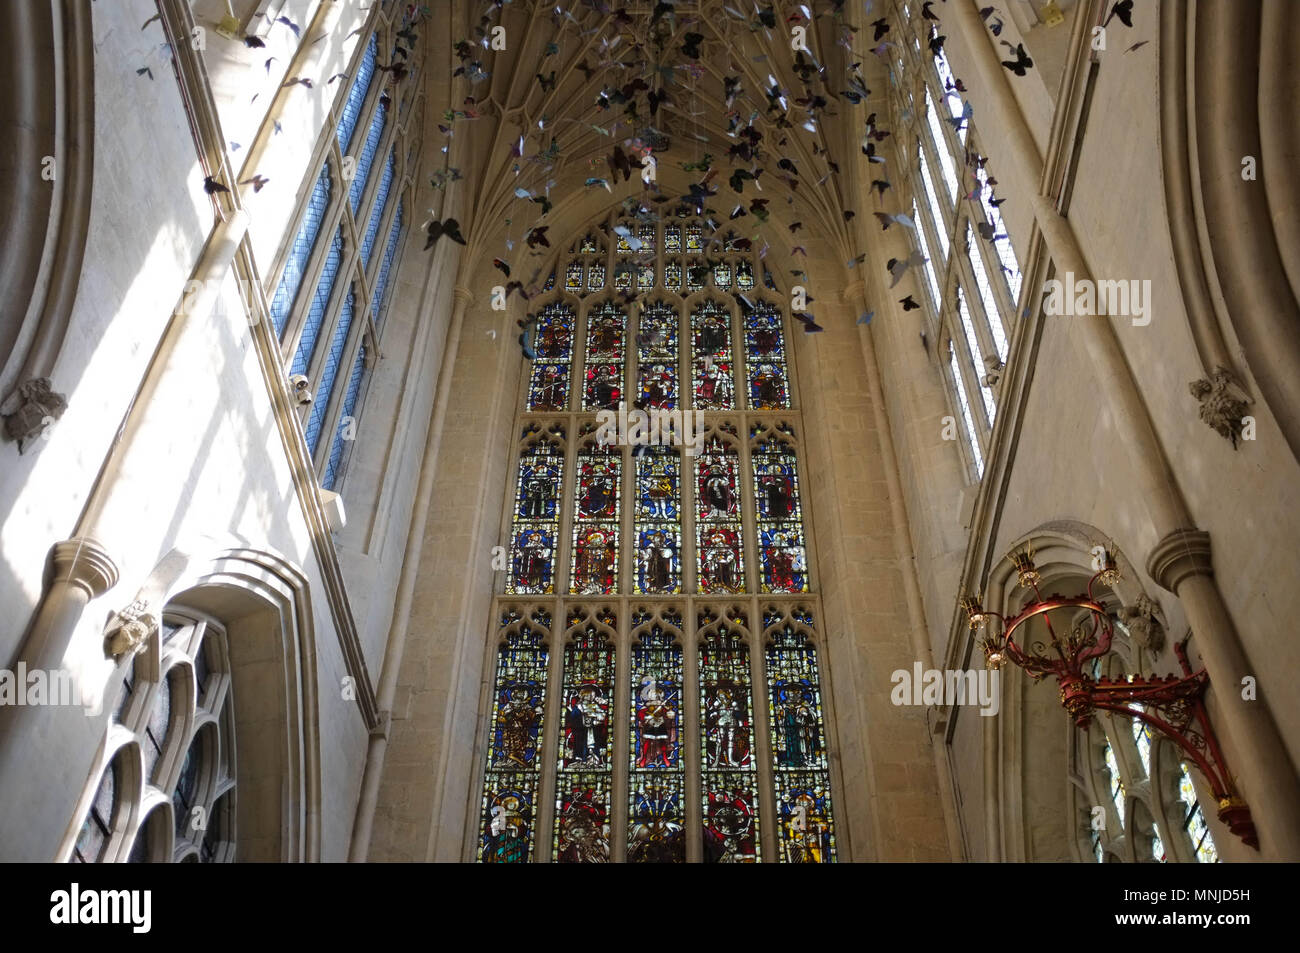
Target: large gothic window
(656, 693)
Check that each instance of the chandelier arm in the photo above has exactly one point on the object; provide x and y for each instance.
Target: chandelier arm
(1219, 785)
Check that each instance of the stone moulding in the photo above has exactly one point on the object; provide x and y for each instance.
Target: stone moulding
(46, 114)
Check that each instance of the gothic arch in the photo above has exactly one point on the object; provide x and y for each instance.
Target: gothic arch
(262, 603)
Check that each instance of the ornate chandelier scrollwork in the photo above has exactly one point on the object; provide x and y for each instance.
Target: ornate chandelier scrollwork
(1172, 705)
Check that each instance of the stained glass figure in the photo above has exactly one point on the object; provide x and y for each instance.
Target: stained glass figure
(720, 566)
(657, 785)
(803, 807)
(783, 559)
(656, 351)
(658, 521)
(711, 357)
(536, 514)
(744, 276)
(548, 388)
(673, 275)
(645, 277)
(550, 282)
(727, 767)
(694, 237)
(798, 733)
(596, 521)
(765, 363)
(589, 244)
(606, 333)
(573, 277)
(623, 277)
(595, 276)
(673, 239)
(722, 275)
(583, 783)
(518, 705)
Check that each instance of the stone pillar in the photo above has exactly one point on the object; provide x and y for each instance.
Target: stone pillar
(1257, 759)
(38, 792)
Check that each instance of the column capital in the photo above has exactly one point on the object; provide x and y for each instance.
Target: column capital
(854, 291)
(86, 564)
(1182, 553)
(463, 295)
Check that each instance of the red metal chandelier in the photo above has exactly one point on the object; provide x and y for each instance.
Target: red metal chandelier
(1171, 705)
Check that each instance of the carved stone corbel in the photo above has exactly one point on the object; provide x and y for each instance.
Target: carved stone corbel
(36, 406)
(129, 628)
(1143, 621)
(1222, 406)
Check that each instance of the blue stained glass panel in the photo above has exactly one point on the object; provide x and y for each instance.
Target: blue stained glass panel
(349, 410)
(367, 157)
(357, 95)
(300, 252)
(330, 373)
(377, 211)
(386, 269)
(320, 303)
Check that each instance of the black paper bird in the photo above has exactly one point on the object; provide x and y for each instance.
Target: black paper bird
(809, 325)
(691, 45)
(436, 230)
(502, 265)
(1021, 63)
(1124, 10)
(297, 31)
(936, 43)
(926, 12)
(882, 27)
(537, 236)
(257, 181)
(879, 185)
(212, 186)
(909, 304)
(254, 42)
(547, 82)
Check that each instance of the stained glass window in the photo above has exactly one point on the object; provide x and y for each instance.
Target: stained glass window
(991, 313)
(548, 388)
(959, 386)
(721, 559)
(357, 95)
(1142, 738)
(656, 352)
(346, 422)
(316, 314)
(330, 372)
(697, 274)
(300, 251)
(782, 555)
(657, 788)
(800, 768)
(536, 517)
(367, 157)
(583, 803)
(386, 267)
(730, 791)
(596, 520)
(712, 368)
(937, 216)
(377, 210)
(1116, 785)
(976, 354)
(658, 547)
(1194, 821)
(518, 709)
(687, 531)
(606, 332)
(765, 367)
